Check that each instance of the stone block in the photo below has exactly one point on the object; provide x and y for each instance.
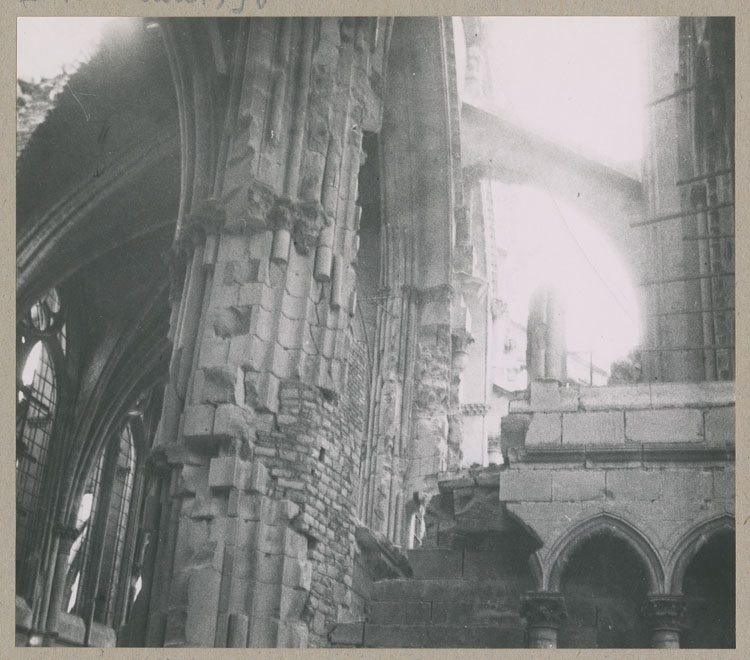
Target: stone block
(226, 472)
(724, 484)
(198, 421)
(443, 611)
(387, 612)
(71, 628)
(247, 351)
(377, 636)
(215, 385)
(436, 563)
(271, 538)
(175, 633)
(262, 324)
(214, 352)
(251, 293)
(545, 429)
(470, 637)
(232, 421)
(237, 631)
(666, 425)
(268, 392)
(418, 612)
(202, 609)
(593, 428)
(636, 485)
(292, 635)
(526, 485)
(102, 636)
(297, 573)
(299, 276)
(486, 565)
(716, 393)
(687, 485)
(263, 632)
(283, 510)
(347, 634)
(289, 333)
(720, 425)
(549, 395)
(295, 545)
(232, 247)
(232, 321)
(616, 397)
(578, 485)
(285, 361)
(291, 602)
(265, 599)
(518, 406)
(293, 308)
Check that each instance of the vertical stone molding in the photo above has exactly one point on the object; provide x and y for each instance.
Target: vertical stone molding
(544, 611)
(666, 615)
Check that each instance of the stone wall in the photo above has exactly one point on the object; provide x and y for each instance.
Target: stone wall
(260, 381)
(656, 458)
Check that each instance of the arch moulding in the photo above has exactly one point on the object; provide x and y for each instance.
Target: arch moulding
(564, 548)
(689, 545)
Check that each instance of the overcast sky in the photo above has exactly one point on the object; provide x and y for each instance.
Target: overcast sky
(47, 45)
(575, 79)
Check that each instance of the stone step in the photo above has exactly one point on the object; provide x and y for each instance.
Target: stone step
(468, 564)
(427, 636)
(450, 589)
(501, 613)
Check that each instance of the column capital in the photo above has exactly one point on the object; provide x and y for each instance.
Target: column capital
(665, 612)
(543, 608)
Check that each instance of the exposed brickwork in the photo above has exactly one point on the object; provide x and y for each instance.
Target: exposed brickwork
(313, 460)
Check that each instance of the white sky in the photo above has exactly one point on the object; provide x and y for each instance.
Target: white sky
(549, 242)
(47, 45)
(576, 80)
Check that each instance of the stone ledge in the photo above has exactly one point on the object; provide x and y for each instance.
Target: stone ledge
(549, 396)
(381, 558)
(485, 477)
(626, 453)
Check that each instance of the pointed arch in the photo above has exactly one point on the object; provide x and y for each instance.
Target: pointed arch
(688, 546)
(605, 523)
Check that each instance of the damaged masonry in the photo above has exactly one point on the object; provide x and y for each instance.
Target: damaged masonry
(296, 353)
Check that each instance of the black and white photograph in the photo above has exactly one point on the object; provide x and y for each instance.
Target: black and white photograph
(373, 332)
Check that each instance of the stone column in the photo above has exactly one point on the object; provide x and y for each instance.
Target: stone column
(543, 611)
(261, 426)
(65, 538)
(666, 616)
(546, 352)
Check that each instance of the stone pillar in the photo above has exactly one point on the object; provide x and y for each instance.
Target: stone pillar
(543, 611)
(666, 616)
(546, 352)
(260, 426)
(65, 537)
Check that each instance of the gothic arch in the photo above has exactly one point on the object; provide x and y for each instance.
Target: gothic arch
(605, 523)
(689, 545)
